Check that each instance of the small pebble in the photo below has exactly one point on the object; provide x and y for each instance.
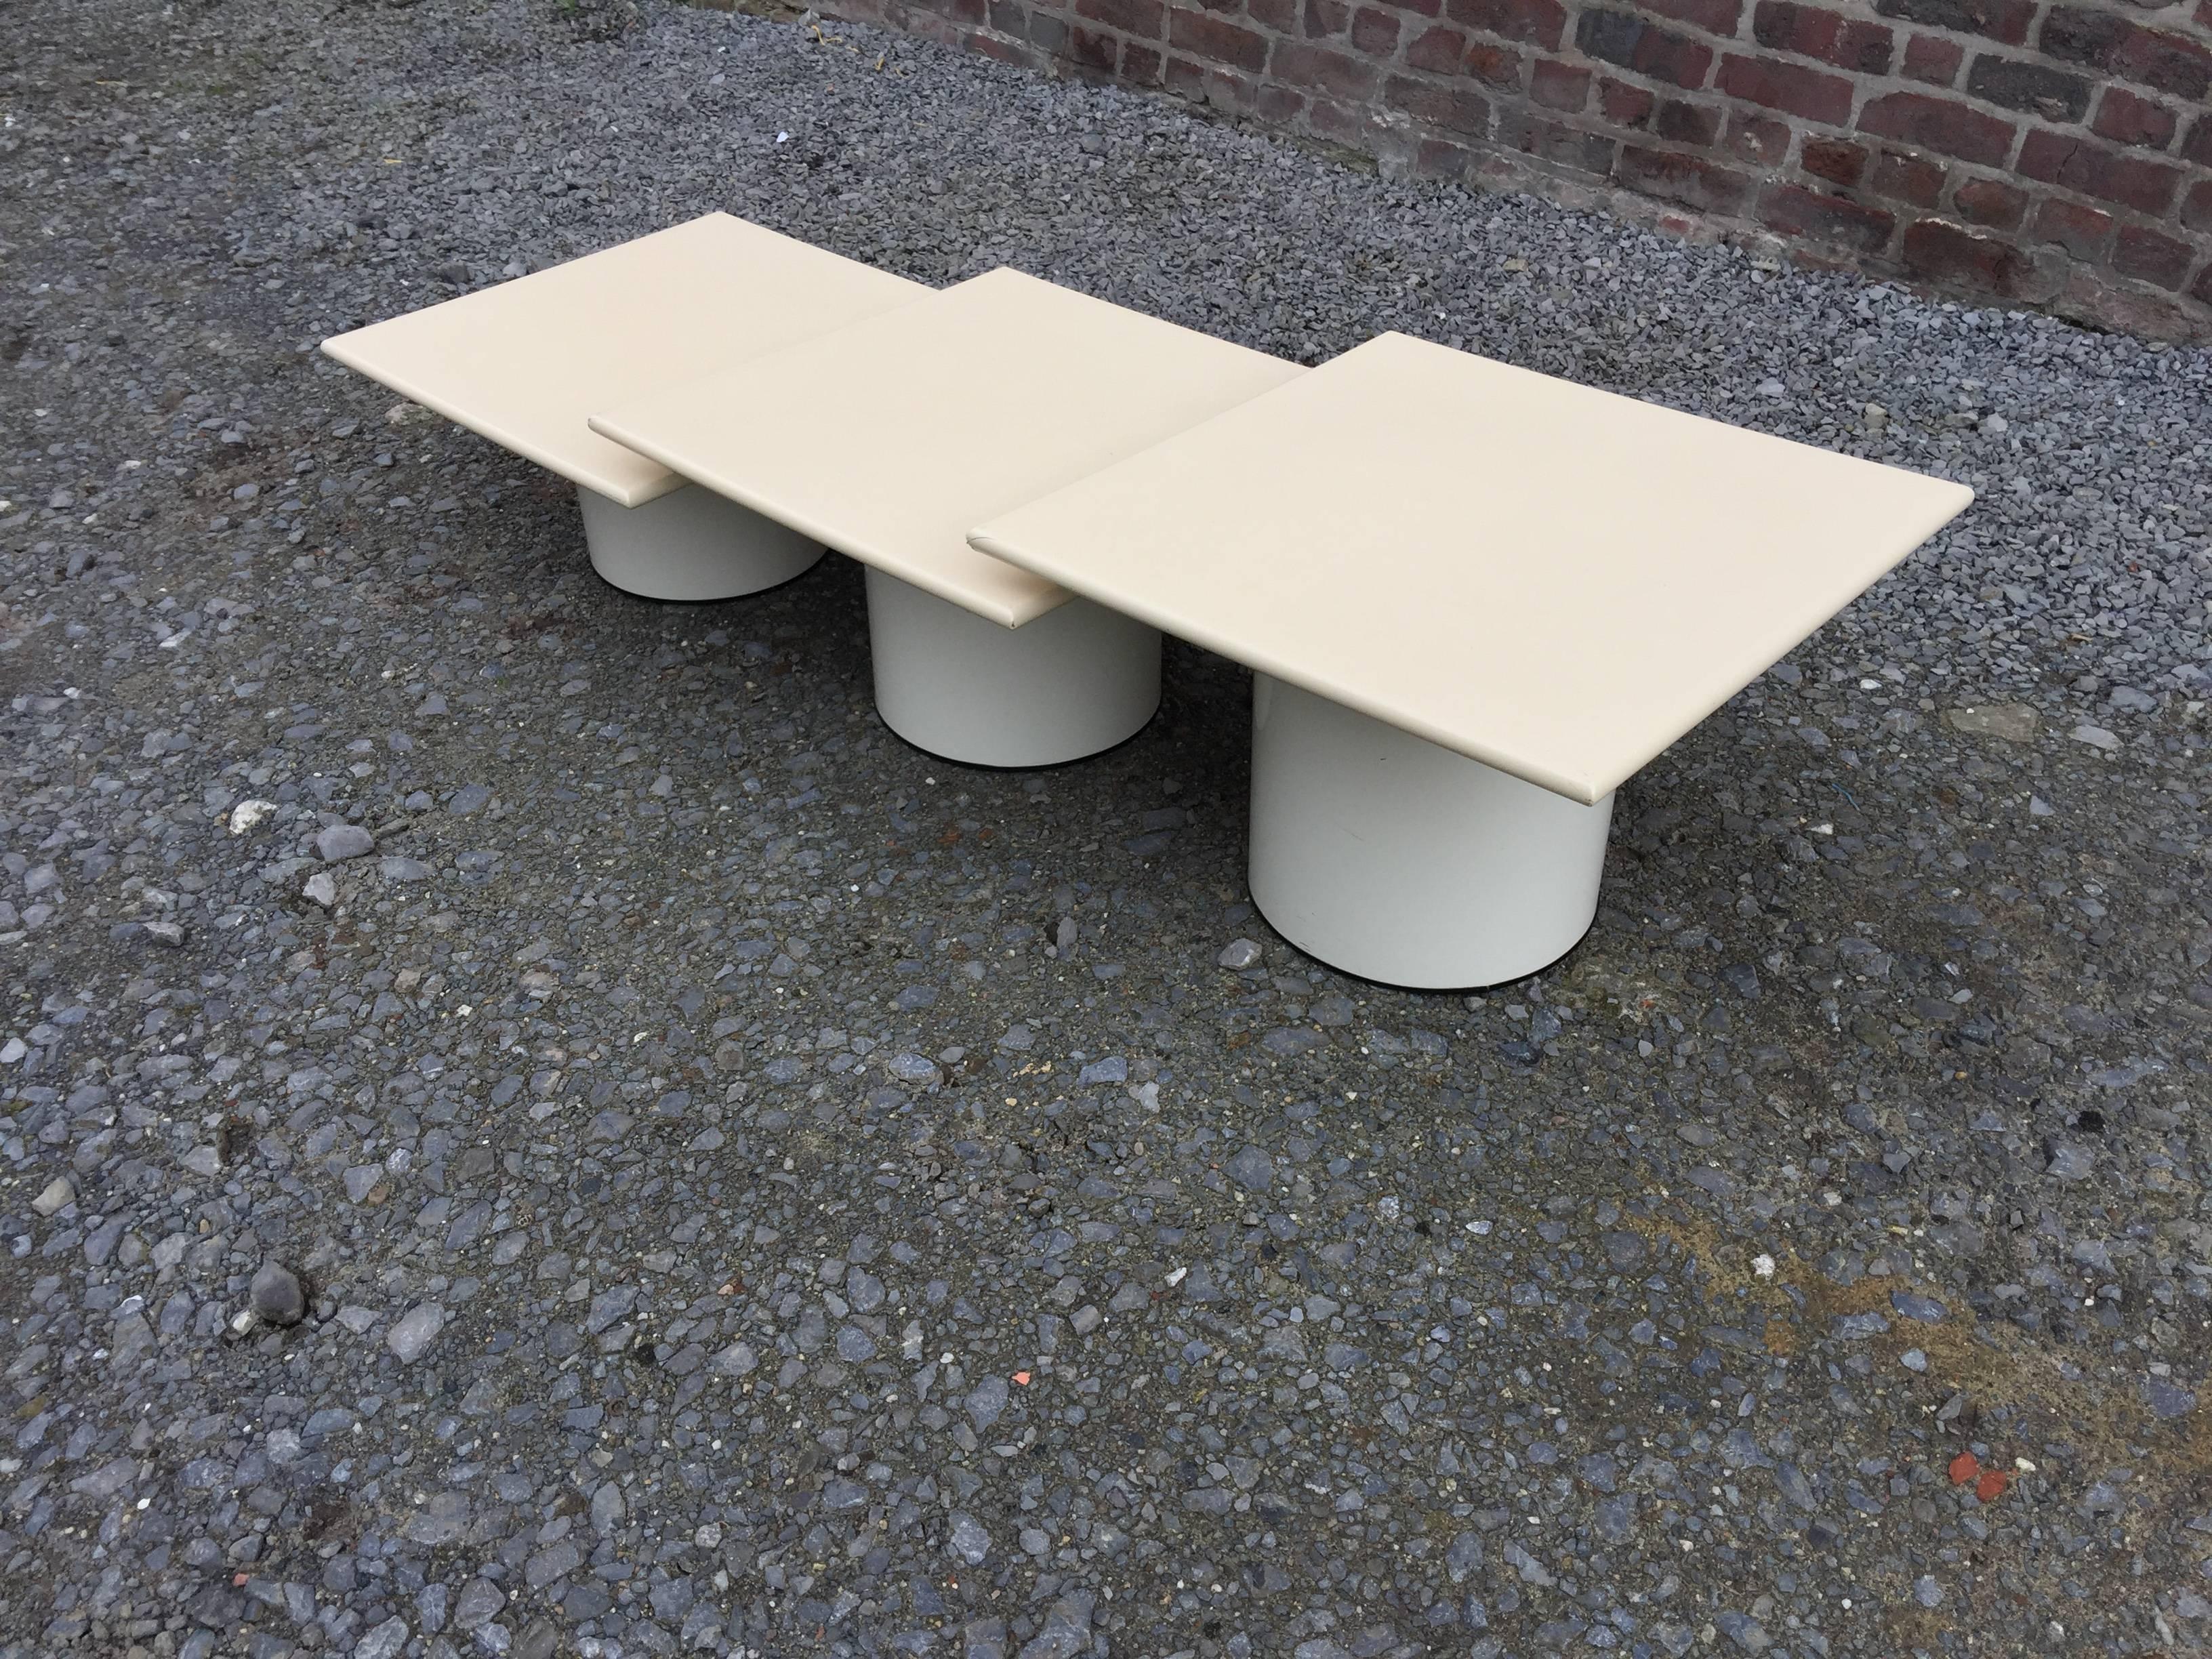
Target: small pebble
(344, 840)
(411, 1335)
(248, 813)
(968, 1540)
(276, 1296)
(1240, 953)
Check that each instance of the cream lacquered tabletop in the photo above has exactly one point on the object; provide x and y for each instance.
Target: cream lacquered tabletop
(1554, 580)
(525, 362)
(890, 438)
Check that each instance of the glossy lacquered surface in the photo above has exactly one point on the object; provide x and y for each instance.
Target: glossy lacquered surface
(1554, 581)
(1390, 858)
(526, 363)
(1078, 679)
(690, 545)
(890, 438)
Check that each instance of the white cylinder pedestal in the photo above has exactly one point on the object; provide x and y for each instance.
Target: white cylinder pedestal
(1078, 679)
(1390, 858)
(691, 545)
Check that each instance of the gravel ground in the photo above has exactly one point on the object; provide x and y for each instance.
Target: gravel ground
(529, 1124)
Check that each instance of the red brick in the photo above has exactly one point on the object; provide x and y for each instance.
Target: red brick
(2168, 63)
(1990, 202)
(2079, 230)
(1437, 50)
(2199, 147)
(2202, 290)
(1538, 22)
(1006, 51)
(1557, 143)
(1375, 33)
(1213, 86)
(1684, 178)
(1907, 178)
(1932, 58)
(2197, 208)
(2145, 185)
(1939, 124)
(1714, 16)
(1095, 49)
(1789, 87)
(1210, 37)
(1560, 86)
(1322, 19)
(1795, 211)
(1277, 16)
(2150, 257)
(1811, 32)
(2076, 34)
(1334, 120)
(1141, 65)
(1336, 73)
(1940, 252)
(1623, 104)
(1864, 48)
(1687, 124)
(1458, 108)
(1759, 138)
(1493, 66)
(1435, 159)
(1143, 18)
(2118, 45)
(1619, 37)
(1998, 19)
(2126, 118)
(1831, 159)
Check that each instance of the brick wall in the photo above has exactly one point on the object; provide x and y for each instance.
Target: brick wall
(2054, 153)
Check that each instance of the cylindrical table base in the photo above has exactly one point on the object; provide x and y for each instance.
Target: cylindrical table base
(1390, 858)
(691, 545)
(1078, 679)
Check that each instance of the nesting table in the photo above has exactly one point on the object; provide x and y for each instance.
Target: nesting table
(1476, 599)
(525, 362)
(890, 438)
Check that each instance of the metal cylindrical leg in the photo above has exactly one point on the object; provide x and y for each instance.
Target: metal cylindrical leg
(1388, 857)
(691, 545)
(1076, 680)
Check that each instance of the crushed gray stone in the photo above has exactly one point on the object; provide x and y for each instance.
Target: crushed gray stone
(755, 1189)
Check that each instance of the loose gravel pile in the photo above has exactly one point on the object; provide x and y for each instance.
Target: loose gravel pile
(530, 1124)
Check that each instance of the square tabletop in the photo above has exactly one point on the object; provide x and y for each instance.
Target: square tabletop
(1557, 582)
(890, 438)
(525, 362)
